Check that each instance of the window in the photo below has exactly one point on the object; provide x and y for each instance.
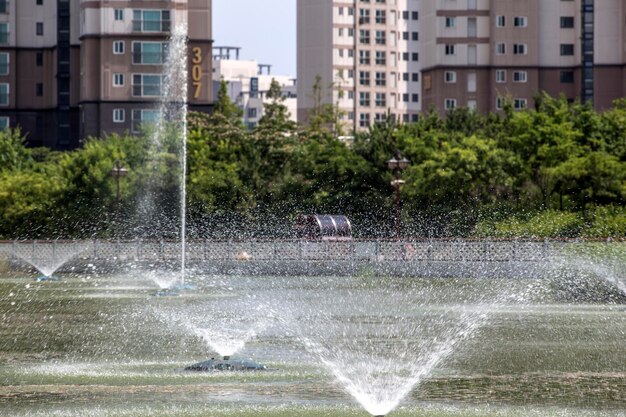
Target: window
(449, 77)
(118, 47)
(520, 21)
(141, 117)
(252, 113)
(39, 28)
(500, 21)
(118, 14)
(4, 33)
(519, 49)
(450, 22)
(151, 20)
(567, 77)
(415, 77)
(520, 76)
(119, 115)
(415, 36)
(405, 97)
(4, 123)
(381, 37)
(567, 49)
(381, 58)
(364, 16)
(4, 63)
(39, 59)
(39, 89)
(381, 17)
(4, 94)
(364, 78)
(499, 103)
(520, 103)
(340, 11)
(39, 2)
(364, 36)
(450, 50)
(364, 120)
(364, 99)
(147, 85)
(415, 57)
(381, 79)
(364, 57)
(415, 15)
(449, 103)
(567, 22)
(500, 49)
(153, 53)
(118, 80)
(500, 76)
(4, 6)
(415, 98)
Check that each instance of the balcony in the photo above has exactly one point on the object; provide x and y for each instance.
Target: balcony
(154, 26)
(4, 7)
(149, 58)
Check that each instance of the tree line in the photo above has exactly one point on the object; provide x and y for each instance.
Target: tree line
(557, 170)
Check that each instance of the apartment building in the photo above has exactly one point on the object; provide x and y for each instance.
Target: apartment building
(478, 52)
(248, 84)
(74, 69)
(366, 56)
(473, 53)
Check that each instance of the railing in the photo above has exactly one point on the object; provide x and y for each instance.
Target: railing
(149, 58)
(456, 250)
(152, 25)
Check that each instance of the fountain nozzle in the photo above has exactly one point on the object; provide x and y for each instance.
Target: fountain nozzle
(226, 358)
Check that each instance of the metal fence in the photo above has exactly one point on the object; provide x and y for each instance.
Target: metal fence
(457, 250)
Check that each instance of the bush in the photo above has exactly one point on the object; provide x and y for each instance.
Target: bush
(608, 221)
(545, 224)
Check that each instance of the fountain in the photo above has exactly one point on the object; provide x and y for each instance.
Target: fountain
(169, 138)
(47, 258)
(380, 341)
(225, 325)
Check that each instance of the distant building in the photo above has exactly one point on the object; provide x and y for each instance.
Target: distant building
(248, 84)
(73, 69)
(368, 51)
(409, 56)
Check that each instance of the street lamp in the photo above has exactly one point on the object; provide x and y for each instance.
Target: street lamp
(118, 171)
(397, 165)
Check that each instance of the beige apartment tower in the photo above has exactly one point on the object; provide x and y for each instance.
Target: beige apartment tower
(365, 55)
(80, 68)
(470, 53)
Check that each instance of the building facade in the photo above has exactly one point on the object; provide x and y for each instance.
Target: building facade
(74, 69)
(365, 56)
(248, 84)
(461, 53)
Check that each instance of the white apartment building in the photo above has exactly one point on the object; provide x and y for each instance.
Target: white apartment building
(367, 54)
(248, 84)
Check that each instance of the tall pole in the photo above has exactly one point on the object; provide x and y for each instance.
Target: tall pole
(117, 203)
(118, 171)
(398, 211)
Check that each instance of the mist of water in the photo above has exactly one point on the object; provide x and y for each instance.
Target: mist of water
(47, 258)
